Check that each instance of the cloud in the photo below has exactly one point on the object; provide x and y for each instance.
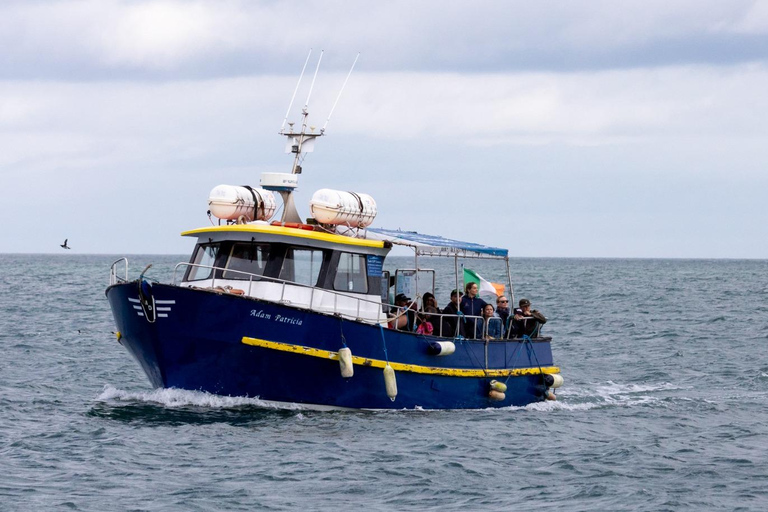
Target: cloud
(158, 40)
(634, 119)
(44, 122)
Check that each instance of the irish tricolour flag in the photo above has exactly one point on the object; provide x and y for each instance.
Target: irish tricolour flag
(484, 287)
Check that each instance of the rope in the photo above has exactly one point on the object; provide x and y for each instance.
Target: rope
(341, 328)
(518, 352)
(527, 339)
(384, 342)
(477, 363)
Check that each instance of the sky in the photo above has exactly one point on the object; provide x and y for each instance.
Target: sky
(553, 129)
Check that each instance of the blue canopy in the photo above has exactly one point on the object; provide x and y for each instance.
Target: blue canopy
(431, 245)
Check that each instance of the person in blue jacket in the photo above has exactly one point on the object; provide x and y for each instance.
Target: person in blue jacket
(494, 330)
(472, 305)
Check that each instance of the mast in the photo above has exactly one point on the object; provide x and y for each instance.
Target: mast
(299, 142)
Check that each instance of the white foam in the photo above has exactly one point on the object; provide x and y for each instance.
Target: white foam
(556, 405)
(608, 394)
(174, 398)
(611, 388)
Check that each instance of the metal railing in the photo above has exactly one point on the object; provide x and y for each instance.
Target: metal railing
(314, 291)
(393, 313)
(113, 277)
(469, 321)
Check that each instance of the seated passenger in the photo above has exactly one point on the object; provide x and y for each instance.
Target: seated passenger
(424, 321)
(527, 322)
(494, 330)
(429, 300)
(502, 309)
(429, 304)
(450, 327)
(405, 316)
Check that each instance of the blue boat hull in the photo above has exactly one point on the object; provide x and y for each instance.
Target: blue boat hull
(239, 346)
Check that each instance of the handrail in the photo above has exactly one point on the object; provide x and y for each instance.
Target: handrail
(283, 282)
(113, 277)
(336, 294)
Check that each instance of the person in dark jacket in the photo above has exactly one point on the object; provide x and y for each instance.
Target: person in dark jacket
(503, 311)
(527, 322)
(449, 322)
(472, 305)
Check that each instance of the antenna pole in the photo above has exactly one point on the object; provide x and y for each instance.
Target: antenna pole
(322, 130)
(306, 105)
(296, 90)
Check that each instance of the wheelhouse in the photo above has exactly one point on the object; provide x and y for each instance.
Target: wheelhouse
(309, 269)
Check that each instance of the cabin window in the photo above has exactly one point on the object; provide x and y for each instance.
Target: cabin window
(202, 262)
(350, 274)
(302, 266)
(246, 260)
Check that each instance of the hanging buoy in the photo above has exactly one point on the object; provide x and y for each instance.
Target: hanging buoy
(550, 396)
(498, 386)
(441, 348)
(345, 363)
(553, 380)
(389, 382)
(496, 395)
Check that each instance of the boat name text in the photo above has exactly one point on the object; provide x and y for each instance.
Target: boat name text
(277, 318)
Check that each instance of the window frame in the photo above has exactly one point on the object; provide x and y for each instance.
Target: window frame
(316, 276)
(194, 261)
(245, 275)
(363, 267)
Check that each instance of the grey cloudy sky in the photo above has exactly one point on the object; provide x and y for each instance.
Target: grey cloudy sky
(608, 129)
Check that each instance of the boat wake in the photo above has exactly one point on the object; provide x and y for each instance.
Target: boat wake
(179, 398)
(608, 394)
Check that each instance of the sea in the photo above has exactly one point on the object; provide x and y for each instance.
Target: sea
(664, 406)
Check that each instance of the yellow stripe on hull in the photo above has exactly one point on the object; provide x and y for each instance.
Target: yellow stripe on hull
(400, 367)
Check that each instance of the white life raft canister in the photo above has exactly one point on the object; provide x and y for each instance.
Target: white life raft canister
(345, 208)
(230, 202)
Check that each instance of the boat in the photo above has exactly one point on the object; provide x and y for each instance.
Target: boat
(299, 312)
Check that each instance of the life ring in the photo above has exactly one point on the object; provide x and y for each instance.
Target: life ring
(294, 225)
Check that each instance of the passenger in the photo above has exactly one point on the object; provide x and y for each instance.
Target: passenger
(429, 304)
(494, 330)
(527, 322)
(424, 319)
(472, 305)
(502, 310)
(449, 325)
(405, 316)
(429, 300)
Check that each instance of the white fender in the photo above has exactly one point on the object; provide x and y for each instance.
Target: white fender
(345, 362)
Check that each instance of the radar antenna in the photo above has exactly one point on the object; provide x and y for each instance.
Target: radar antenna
(295, 91)
(322, 130)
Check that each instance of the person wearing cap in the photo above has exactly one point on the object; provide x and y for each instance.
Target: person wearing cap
(449, 322)
(527, 322)
(404, 316)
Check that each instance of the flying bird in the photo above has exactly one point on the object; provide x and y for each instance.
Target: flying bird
(64, 245)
